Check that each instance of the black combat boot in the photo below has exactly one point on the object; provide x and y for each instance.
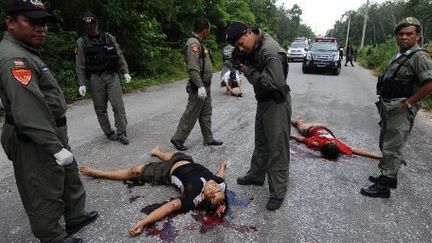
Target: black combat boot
(245, 180)
(179, 146)
(376, 190)
(214, 142)
(90, 218)
(384, 180)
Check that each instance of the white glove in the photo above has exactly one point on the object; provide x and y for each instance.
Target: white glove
(127, 77)
(202, 94)
(82, 90)
(64, 157)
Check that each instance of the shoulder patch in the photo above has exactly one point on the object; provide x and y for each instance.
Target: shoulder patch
(195, 47)
(23, 75)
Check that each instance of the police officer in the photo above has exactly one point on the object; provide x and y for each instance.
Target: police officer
(34, 135)
(267, 71)
(99, 59)
(200, 71)
(405, 82)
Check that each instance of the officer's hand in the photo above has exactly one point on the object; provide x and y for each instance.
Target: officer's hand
(64, 157)
(127, 77)
(202, 94)
(82, 90)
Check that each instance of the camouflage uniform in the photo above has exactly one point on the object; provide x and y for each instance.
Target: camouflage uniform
(35, 129)
(395, 124)
(200, 71)
(408, 77)
(104, 86)
(272, 122)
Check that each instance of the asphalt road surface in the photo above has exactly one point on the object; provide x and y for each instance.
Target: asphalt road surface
(323, 203)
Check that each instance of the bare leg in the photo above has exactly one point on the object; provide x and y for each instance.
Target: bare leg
(302, 126)
(161, 155)
(122, 174)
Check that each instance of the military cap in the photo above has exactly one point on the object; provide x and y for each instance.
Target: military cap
(32, 9)
(407, 22)
(89, 19)
(234, 31)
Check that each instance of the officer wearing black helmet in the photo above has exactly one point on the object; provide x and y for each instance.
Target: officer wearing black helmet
(99, 59)
(34, 135)
(404, 83)
(266, 68)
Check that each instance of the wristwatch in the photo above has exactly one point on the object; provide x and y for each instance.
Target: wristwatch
(408, 104)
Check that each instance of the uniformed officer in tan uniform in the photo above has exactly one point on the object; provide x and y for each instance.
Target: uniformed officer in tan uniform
(99, 59)
(405, 82)
(266, 68)
(200, 71)
(34, 135)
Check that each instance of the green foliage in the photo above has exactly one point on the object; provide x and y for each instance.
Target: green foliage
(152, 33)
(378, 57)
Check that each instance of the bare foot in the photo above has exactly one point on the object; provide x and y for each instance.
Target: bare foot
(155, 151)
(88, 171)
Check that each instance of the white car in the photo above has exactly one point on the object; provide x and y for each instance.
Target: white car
(297, 50)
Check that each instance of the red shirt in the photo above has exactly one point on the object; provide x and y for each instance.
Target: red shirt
(320, 136)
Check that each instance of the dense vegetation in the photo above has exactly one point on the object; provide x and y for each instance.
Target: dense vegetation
(152, 33)
(380, 45)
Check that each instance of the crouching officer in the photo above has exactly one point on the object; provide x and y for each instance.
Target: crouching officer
(267, 70)
(405, 82)
(200, 72)
(34, 135)
(99, 59)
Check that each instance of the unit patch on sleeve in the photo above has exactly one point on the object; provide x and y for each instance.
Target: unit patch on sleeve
(22, 75)
(195, 48)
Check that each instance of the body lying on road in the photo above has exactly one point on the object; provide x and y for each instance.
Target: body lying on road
(318, 137)
(200, 188)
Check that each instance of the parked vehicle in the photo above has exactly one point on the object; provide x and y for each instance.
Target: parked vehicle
(323, 55)
(297, 50)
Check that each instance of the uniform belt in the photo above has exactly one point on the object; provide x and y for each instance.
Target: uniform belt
(60, 122)
(277, 96)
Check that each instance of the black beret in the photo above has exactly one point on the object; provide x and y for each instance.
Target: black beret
(33, 9)
(407, 22)
(234, 31)
(89, 19)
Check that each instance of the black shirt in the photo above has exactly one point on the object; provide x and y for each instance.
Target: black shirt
(190, 179)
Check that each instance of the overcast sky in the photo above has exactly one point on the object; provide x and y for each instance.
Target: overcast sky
(321, 15)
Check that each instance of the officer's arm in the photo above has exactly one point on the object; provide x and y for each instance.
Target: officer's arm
(123, 67)
(158, 214)
(272, 76)
(80, 62)
(193, 53)
(423, 68)
(31, 114)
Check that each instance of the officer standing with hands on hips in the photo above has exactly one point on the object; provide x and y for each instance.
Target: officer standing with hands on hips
(34, 135)
(99, 59)
(266, 68)
(405, 82)
(200, 72)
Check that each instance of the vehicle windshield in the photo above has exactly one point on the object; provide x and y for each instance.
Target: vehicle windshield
(324, 47)
(298, 45)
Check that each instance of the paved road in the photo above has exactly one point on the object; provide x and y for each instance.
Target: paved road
(323, 203)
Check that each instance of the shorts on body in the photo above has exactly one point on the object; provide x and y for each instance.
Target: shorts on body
(158, 173)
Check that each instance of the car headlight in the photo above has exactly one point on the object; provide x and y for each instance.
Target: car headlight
(336, 58)
(308, 56)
